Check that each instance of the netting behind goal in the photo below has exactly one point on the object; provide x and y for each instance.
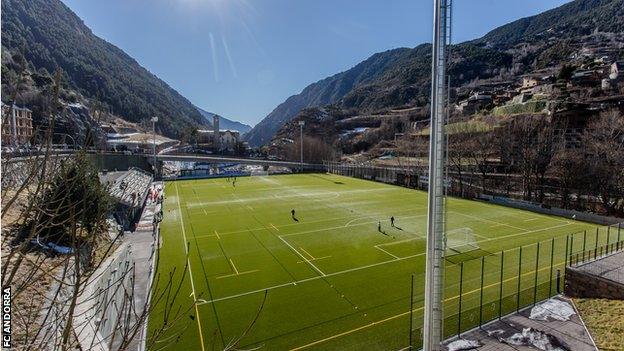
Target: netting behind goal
(460, 240)
(259, 173)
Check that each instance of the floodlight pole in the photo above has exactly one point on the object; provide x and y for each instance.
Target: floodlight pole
(301, 124)
(154, 120)
(434, 274)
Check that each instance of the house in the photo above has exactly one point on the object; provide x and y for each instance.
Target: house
(529, 82)
(585, 78)
(17, 125)
(474, 103)
(616, 70)
(226, 141)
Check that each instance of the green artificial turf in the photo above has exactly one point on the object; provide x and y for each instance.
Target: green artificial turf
(332, 280)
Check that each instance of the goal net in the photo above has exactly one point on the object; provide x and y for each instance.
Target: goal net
(259, 173)
(460, 240)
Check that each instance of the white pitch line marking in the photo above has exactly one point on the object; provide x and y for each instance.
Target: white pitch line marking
(331, 228)
(188, 262)
(294, 224)
(362, 267)
(236, 275)
(316, 259)
(487, 220)
(314, 278)
(307, 253)
(217, 235)
(353, 220)
(396, 257)
(274, 227)
(233, 266)
(531, 219)
(401, 241)
(304, 258)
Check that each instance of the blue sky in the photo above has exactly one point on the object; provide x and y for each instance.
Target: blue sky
(241, 58)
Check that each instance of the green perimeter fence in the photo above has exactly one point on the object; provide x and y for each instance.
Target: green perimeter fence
(482, 289)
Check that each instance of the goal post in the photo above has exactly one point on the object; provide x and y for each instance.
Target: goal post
(460, 240)
(259, 173)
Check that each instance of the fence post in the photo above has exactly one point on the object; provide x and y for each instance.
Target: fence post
(461, 286)
(596, 248)
(584, 241)
(552, 255)
(566, 252)
(500, 289)
(558, 281)
(571, 247)
(536, 270)
(519, 276)
(411, 313)
(618, 242)
(481, 292)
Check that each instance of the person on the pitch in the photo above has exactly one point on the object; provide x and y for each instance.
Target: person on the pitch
(392, 221)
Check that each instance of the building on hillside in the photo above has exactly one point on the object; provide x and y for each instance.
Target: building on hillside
(616, 70)
(130, 139)
(474, 103)
(226, 141)
(17, 125)
(586, 78)
(529, 82)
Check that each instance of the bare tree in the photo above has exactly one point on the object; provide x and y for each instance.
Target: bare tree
(604, 143)
(56, 246)
(314, 150)
(459, 156)
(480, 149)
(72, 275)
(568, 169)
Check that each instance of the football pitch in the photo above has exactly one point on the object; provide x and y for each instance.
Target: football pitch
(337, 274)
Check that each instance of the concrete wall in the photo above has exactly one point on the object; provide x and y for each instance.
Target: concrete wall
(120, 162)
(530, 206)
(585, 285)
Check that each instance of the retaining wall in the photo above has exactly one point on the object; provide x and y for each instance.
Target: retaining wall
(585, 285)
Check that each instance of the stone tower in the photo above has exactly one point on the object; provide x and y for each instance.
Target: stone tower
(216, 136)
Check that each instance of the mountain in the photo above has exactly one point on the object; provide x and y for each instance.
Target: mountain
(225, 123)
(580, 17)
(401, 77)
(49, 35)
(326, 91)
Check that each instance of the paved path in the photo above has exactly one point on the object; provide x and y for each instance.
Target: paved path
(572, 332)
(610, 267)
(142, 242)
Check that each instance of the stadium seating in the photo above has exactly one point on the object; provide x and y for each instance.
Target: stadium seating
(131, 188)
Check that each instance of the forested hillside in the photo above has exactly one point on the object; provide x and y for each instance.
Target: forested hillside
(49, 35)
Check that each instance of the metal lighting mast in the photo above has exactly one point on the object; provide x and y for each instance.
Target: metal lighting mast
(434, 275)
(154, 120)
(301, 124)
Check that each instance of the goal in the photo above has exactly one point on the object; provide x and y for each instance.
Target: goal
(460, 240)
(259, 173)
